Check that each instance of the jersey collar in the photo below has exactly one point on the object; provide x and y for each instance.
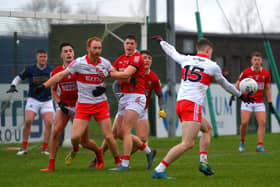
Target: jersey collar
(253, 69)
(89, 62)
(202, 55)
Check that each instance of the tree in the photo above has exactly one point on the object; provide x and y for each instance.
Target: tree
(41, 26)
(243, 18)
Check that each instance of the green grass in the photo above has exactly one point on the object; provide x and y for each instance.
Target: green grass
(232, 168)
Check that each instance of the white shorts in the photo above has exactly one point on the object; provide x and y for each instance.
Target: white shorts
(36, 106)
(134, 102)
(143, 115)
(253, 107)
(72, 110)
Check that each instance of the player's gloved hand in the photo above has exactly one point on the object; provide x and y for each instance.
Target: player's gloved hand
(157, 38)
(103, 73)
(98, 91)
(63, 108)
(39, 89)
(271, 107)
(246, 97)
(162, 113)
(133, 81)
(232, 98)
(12, 89)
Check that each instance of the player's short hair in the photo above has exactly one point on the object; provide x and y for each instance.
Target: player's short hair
(93, 39)
(203, 43)
(131, 37)
(146, 52)
(256, 53)
(63, 44)
(41, 51)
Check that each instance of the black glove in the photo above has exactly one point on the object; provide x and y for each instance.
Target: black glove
(232, 98)
(133, 81)
(39, 89)
(157, 38)
(271, 107)
(63, 108)
(12, 89)
(246, 98)
(98, 91)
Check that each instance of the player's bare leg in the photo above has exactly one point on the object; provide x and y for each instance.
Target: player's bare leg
(78, 129)
(261, 118)
(29, 117)
(60, 123)
(105, 126)
(245, 117)
(204, 143)
(190, 130)
(104, 145)
(129, 120)
(48, 120)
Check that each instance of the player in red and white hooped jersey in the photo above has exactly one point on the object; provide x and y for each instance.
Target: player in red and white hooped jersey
(262, 77)
(66, 100)
(89, 73)
(197, 72)
(129, 70)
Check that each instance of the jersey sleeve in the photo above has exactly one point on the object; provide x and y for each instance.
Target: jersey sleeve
(242, 76)
(268, 78)
(115, 64)
(73, 67)
(25, 73)
(157, 84)
(171, 51)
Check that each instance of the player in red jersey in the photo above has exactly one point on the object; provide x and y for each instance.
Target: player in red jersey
(92, 100)
(129, 69)
(66, 101)
(262, 77)
(152, 82)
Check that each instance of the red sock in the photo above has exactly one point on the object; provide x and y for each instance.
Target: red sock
(76, 148)
(143, 147)
(260, 143)
(164, 163)
(203, 153)
(24, 144)
(117, 159)
(125, 157)
(45, 145)
(51, 163)
(242, 140)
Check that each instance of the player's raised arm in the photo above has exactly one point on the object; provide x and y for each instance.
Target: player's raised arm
(170, 50)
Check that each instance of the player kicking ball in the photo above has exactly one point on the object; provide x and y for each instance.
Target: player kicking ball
(197, 72)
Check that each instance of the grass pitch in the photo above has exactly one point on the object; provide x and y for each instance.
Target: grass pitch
(232, 168)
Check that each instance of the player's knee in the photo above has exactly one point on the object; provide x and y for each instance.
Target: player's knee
(143, 138)
(187, 145)
(108, 137)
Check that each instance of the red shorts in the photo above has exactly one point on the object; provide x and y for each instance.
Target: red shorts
(188, 111)
(99, 111)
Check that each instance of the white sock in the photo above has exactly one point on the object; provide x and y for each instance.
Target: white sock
(147, 150)
(160, 168)
(125, 163)
(203, 158)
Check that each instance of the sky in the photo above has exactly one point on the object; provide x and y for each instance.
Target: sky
(211, 16)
